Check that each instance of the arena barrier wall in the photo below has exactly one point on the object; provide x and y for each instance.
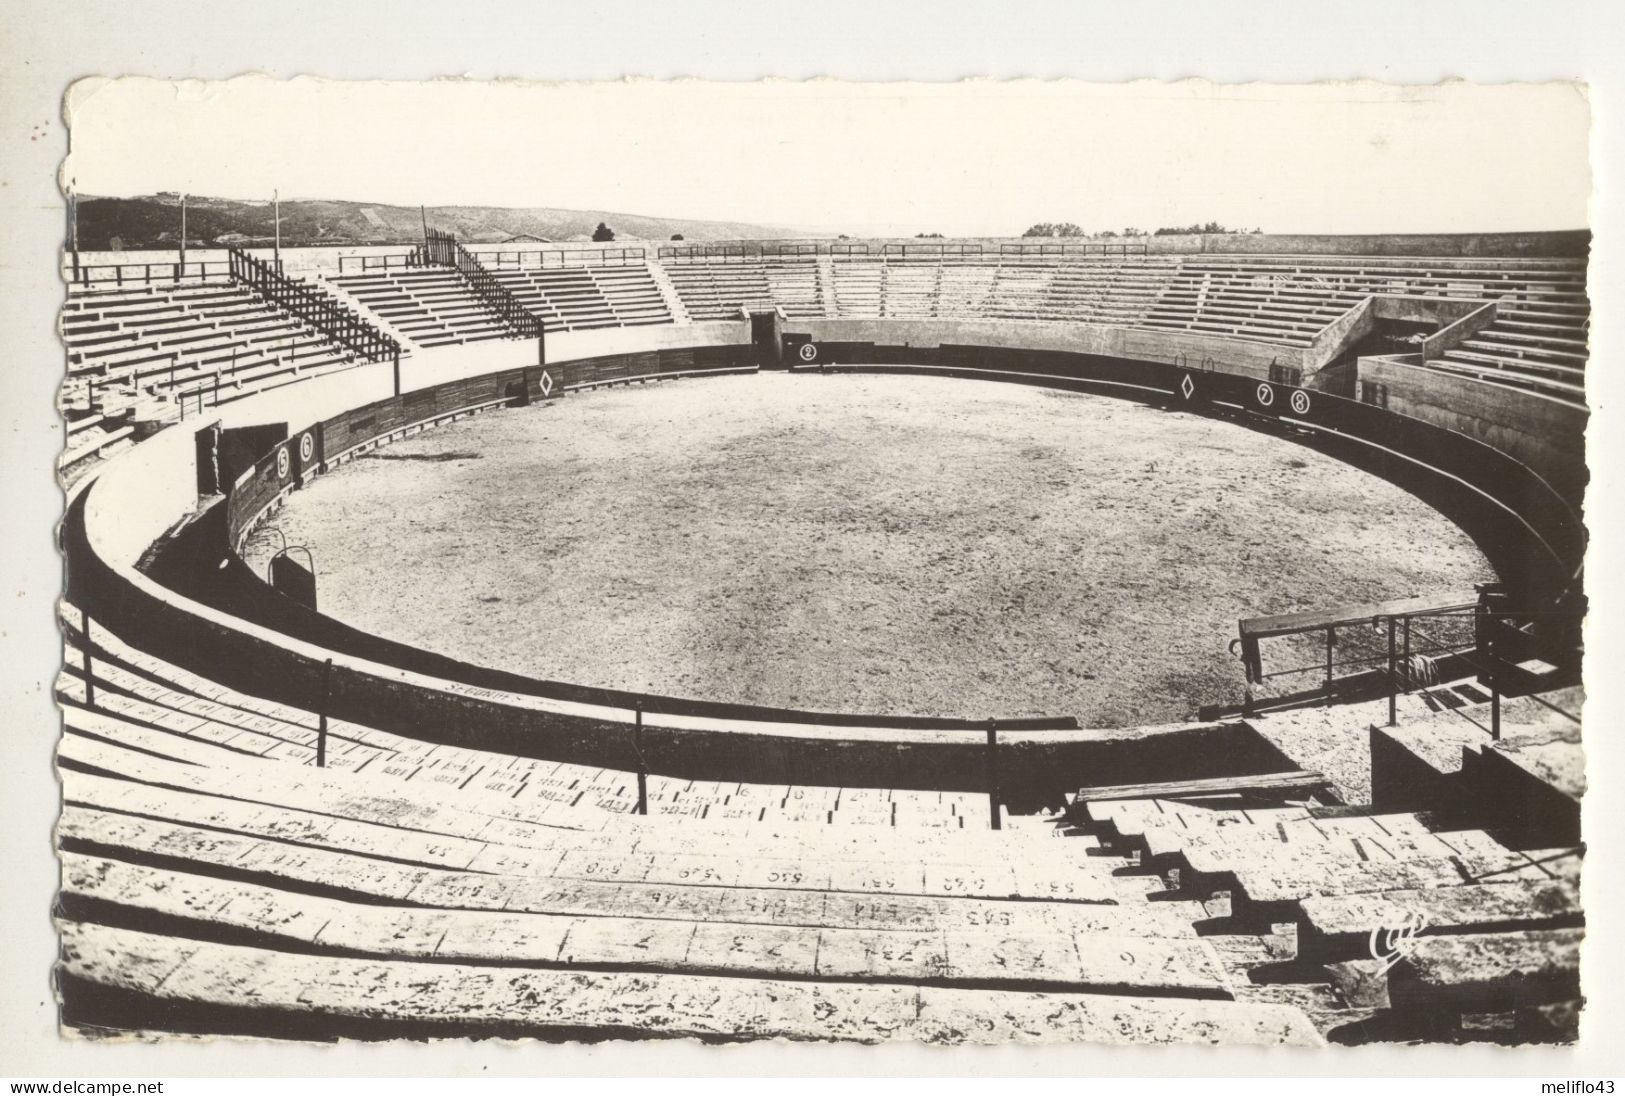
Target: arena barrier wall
(1260, 361)
(1544, 433)
(195, 603)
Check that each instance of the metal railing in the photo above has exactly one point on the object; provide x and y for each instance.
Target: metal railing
(118, 274)
(362, 264)
(561, 258)
(1061, 250)
(707, 252)
(318, 308)
(1327, 651)
(1395, 649)
(442, 249)
(1015, 251)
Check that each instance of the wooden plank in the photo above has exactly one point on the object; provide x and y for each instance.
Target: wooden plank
(1297, 779)
(1344, 615)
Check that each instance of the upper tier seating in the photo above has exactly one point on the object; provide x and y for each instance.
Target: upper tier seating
(1538, 341)
(1545, 354)
(718, 290)
(581, 298)
(429, 305)
(187, 338)
(148, 343)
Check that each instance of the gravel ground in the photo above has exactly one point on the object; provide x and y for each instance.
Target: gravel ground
(888, 544)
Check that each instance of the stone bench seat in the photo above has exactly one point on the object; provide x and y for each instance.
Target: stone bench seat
(1494, 341)
(95, 441)
(1338, 928)
(170, 817)
(1520, 373)
(1259, 317)
(1224, 330)
(1555, 333)
(274, 992)
(1093, 961)
(1488, 971)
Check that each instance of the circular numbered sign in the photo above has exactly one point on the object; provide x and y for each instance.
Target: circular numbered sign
(1266, 395)
(1300, 402)
(282, 463)
(307, 448)
(808, 352)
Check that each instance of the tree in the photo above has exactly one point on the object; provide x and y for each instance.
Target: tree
(1045, 228)
(1211, 228)
(674, 235)
(928, 235)
(603, 234)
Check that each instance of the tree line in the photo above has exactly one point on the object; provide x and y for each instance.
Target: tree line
(1068, 229)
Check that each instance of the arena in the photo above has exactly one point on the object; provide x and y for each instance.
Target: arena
(959, 641)
(940, 547)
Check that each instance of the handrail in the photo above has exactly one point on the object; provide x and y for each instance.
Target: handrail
(924, 252)
(443, 249)
(562, 258)
(387, 261)
(1412, 656)
(315, 306)
(85, 274)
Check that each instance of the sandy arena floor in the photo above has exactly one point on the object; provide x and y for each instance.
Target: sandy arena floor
(902, 545)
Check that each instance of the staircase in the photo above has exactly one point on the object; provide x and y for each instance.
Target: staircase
(442, 249)
(668, 292)
(314, 305)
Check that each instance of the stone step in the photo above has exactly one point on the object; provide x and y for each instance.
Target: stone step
(983, 955)
(147, 980)
(1339, 927)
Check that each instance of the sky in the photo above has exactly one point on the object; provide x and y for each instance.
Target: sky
(968, 158)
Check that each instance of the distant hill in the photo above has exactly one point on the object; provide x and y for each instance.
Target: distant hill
(153, 221)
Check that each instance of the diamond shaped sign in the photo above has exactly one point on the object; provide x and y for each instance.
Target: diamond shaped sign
(1187, 386)
(547, 383)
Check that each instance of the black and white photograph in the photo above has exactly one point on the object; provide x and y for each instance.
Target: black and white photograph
(982, 563)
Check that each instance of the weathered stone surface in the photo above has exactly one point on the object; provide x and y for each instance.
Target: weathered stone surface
(342, 818)
(961, 1016)
(518, 1002)
(983, 955)
(1507, 961)
(1444, 907)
